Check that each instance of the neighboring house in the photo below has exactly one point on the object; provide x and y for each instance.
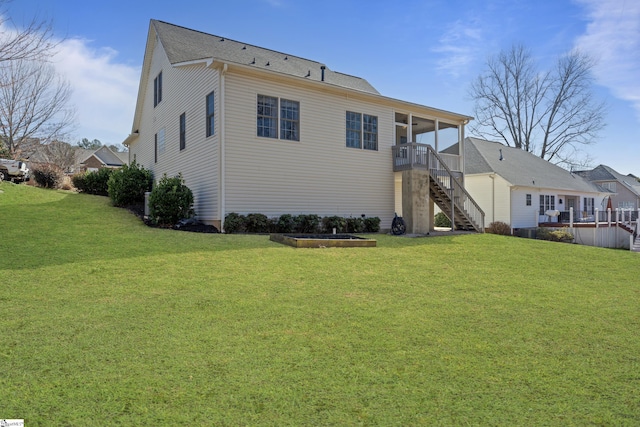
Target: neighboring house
(518, 188)
(625, 189)
(255, 130)
(103, 157)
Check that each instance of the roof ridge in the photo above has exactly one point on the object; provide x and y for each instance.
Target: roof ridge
(223, 38)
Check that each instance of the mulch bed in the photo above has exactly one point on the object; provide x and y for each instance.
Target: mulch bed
(197, 227)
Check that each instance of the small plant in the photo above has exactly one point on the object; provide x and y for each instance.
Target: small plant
(170, 201)
(127, 185)
(234, 223)
(286, 224)
(47, 175)
(499, 227)
(372, 225)
(331, 222)
(257, 223)
(441, 220)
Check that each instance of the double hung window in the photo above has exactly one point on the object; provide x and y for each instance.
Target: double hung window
(362, 131)
(271, 111)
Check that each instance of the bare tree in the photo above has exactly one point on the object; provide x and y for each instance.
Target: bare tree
(33, 105)
(60, 154)
(30, 42)
(551, 113)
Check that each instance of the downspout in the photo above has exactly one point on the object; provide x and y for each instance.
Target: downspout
(223, 184)
(493, 197)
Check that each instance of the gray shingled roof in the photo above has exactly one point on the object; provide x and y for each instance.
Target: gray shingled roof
(106, 156)
(184, 45)
(520, 167)
(604, 173)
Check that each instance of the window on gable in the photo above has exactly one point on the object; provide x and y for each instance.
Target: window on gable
(210, 114)
(547, 203)
(157, 89)
(528, 199)
(267, 116)
(362, 131)
(289, 120)
(183, 131)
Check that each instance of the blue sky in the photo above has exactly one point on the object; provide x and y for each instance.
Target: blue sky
(425, 52)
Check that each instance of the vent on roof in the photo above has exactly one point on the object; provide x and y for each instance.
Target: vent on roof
(268, 63)
(254, 61)
(286, 57)
(222, 39)
(308, 74)
(322, 68)
(244, 47)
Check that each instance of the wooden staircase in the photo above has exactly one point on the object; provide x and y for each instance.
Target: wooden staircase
(444, 188)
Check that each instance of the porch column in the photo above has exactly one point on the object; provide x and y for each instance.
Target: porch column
(417, 206)
(410, 129)
(437, 125)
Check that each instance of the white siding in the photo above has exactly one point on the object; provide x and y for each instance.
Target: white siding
(492, 194)
(183, 91)
(524, 216)
(317, 174)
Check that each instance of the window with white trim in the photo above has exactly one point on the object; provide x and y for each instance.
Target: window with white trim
(271, 111)
(267, 116)
(547, 203)
(289, 120)
(589, 205)
(528, 199)
(361, 131)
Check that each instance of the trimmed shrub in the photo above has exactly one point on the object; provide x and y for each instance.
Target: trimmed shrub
(372, 225)
(127, 185)
(441, 220)
(170, 201)
(234, 223)
(499, 227)
(47, 175)
(286, 224)
(79, 182)
(355, 225)
(309, 223)
(100, 184)
(256, 223)
(331, 222)
(562, 235)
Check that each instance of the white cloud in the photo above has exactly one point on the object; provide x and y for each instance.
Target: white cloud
(459, 47)
(613, 38)
(104, 91)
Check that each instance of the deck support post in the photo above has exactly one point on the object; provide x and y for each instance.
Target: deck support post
(417, 206)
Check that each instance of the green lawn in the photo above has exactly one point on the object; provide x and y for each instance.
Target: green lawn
(104, 321)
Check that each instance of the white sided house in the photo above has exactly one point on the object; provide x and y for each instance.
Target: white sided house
(523, 190)
(253, 130)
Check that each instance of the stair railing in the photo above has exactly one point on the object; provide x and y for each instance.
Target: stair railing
(459, 195)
